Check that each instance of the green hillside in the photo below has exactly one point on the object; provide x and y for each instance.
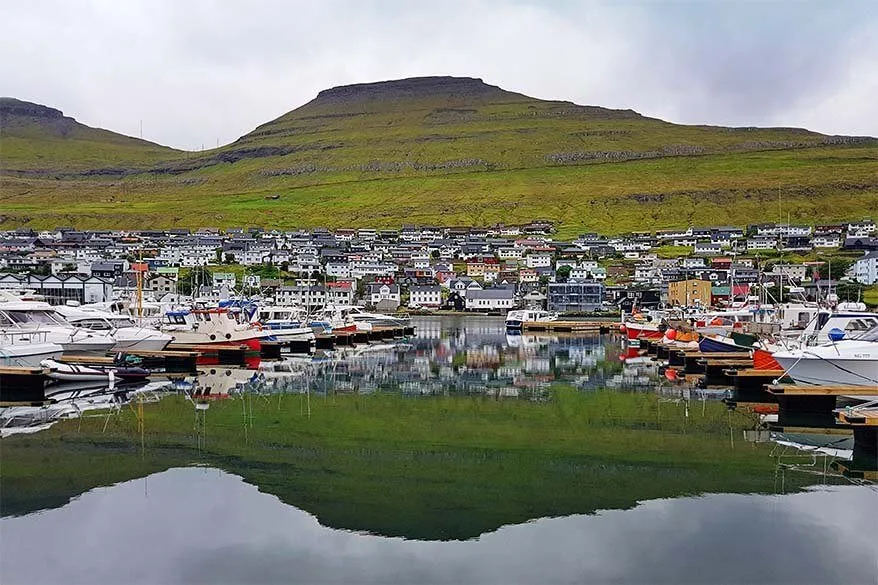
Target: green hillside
(438, 151)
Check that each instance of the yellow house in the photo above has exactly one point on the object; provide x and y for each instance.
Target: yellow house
(474, 269)
(688, 293)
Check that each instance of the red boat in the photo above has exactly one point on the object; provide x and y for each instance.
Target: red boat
(642, 331)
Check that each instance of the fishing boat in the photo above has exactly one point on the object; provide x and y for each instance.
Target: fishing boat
(218, 326)
(517, 319)
(843, 361)
(73, 372)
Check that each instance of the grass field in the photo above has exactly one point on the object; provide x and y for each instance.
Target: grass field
(419, 467)
(439, 158)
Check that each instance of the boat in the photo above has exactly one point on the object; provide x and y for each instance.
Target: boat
(844, 361)
(713, 344)
(128, 334)
(646, 330)
(358, 315)
(73, 372)
(22, 319)
(219, 326)
(285, 323)
(26, 350)
(517, 319)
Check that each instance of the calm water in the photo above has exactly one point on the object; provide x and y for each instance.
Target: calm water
(443, 458)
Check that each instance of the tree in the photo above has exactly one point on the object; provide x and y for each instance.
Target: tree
(435, 254)
(563, 273)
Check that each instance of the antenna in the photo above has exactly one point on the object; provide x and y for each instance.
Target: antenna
(141, 128)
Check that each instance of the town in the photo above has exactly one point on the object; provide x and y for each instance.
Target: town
(487, 270)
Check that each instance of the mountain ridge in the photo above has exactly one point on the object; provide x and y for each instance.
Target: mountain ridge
(435, 149)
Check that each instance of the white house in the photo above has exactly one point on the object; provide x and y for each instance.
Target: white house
(826, 241)
(761, 243)
(383, 292)
(791, 271)
(338, 269)
(539, 260)
(491, 299)
(708, 249)
(425, 296)
(866, 269)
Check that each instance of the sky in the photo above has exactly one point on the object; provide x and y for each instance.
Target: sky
(201, 73)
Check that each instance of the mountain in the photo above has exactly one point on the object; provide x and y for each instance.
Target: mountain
(435, 150)
(43, 139)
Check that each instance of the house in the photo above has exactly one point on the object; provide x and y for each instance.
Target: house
(761, 243)
(386, 294)
(227, 279)
(110, 269)
(689, 293)
(865, 269)
(538, 260)
(340, 293)
(491, 272)
(575, 296)
(425, 296)
(790, 271)
(58, 289)
(692, 262)
(708, 249)
(308, 296)
(463, 285)
(160, 284)
(490, 299)
(831, 240)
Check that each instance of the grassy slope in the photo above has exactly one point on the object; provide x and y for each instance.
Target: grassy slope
(449, 160)
(429, 468)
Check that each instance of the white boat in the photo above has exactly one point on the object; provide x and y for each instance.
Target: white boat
(128, 335)
(26, 350)
(285, 323)
(24, 318)
(845, 362)
(357, 315)
(517, 319)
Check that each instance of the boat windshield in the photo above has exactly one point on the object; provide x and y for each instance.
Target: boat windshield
(35, 318)
(870, 335)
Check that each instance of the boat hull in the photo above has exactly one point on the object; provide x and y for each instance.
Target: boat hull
(29, 355)
(834, 372)
(712, 344)
(642, 332)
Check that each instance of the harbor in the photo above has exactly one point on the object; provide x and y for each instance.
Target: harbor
(602, 431)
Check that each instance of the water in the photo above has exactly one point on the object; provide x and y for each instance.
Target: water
(449, 457)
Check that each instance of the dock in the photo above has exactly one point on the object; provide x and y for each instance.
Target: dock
(23, 385)
(568, 326)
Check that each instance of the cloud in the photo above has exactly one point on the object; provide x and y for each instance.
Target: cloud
(204, 72)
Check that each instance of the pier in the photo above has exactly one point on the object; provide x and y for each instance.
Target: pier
(568, 326)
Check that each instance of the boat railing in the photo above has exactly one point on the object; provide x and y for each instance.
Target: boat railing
(24, 336)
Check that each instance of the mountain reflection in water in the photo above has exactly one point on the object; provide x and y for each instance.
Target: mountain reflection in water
(201, 525)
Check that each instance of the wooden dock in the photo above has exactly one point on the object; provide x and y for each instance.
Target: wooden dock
(803, 390)
(19, 384)
(858, 417)
(568, 326)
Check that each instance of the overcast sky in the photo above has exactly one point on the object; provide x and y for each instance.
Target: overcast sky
(201, 72)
